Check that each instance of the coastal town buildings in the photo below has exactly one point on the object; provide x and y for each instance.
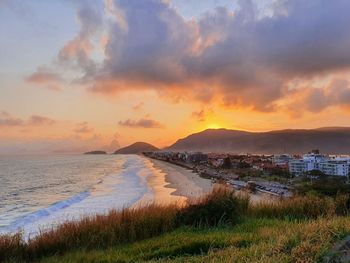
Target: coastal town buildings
(333, 166)
(267, 164)
(281, 160)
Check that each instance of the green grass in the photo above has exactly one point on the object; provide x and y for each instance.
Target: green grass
(254, 240)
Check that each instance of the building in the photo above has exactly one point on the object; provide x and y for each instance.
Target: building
(281, 160)
(336, 166)
(297, 167)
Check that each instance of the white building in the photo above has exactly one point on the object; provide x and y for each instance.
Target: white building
(333, 167)
(297, 166)
(282, 159)
(337, 166)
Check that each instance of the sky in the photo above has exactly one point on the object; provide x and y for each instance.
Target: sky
(78, 75)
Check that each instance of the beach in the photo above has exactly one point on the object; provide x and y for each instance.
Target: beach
(185, 183)
(171, 183)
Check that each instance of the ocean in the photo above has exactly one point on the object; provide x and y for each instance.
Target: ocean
(38, 192)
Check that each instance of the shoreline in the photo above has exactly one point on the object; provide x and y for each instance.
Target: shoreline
(185, 182)
(198, 182)
(172, 184)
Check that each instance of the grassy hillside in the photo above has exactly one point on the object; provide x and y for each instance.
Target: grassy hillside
(220, 227)
(255, 240)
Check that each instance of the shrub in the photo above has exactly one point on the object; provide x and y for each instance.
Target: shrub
(220, 207)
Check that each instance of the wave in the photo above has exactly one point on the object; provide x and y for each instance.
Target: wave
(44, 212)
(120, 189)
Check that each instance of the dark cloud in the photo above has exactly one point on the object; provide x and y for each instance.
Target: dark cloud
(141, 123)
(241, 58)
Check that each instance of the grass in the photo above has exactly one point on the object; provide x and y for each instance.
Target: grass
(218, 227)
(255, 240)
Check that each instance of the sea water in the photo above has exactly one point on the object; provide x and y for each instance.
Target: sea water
(38, 192)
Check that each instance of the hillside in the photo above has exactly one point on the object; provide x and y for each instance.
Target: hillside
(330, 140)
(137, 147)
(222, 227)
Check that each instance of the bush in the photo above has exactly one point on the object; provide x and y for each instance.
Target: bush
(222, 206)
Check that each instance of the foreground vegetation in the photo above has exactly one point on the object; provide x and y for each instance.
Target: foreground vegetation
(220, 227)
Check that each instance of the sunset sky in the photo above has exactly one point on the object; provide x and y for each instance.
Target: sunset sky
(79, 75)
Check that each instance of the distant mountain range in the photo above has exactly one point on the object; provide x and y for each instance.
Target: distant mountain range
(137, 147)
(331, 140)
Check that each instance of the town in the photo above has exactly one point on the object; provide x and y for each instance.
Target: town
(279, 175)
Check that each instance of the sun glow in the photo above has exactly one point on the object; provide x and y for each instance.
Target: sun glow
(213, 126)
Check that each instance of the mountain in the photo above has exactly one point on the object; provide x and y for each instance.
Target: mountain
(137, 147)
(331, 140)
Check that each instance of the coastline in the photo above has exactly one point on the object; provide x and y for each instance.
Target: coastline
(189, 184)
(185, 182)
(170, 183)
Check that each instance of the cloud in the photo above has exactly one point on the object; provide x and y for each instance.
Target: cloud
(77, 51)
(312, 99)
(45, 78)
(83, 128)
(37, 120)
(138, 106)
(141, 123)
(236, 59)
(7, 120)
(199, 115)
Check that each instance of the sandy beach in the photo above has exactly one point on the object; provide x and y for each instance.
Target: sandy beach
(173, 184)
(190, 185)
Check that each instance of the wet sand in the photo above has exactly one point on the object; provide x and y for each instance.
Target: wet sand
(173, 184)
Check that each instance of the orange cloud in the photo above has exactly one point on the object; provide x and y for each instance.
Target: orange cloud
(83, 128)
(138, 106)
(45, 78)
(141, 123)
(7, 120)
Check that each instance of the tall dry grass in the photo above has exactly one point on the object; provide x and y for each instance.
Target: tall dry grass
(302, 207)
(222, 206)
(102, 231)
(12, 247)
(120, 227)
